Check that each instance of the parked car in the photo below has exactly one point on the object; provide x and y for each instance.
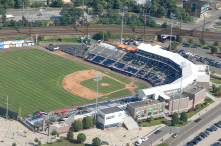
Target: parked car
(158, 131)
(206, 48)
(144, 139)
(175, 135)
(197, 120)
(138, 142)
(104, 143)
(194, 47)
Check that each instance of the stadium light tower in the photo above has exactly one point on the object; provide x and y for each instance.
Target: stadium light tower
(182, 65)
(97, 78)
(172, 16)
(123, 9)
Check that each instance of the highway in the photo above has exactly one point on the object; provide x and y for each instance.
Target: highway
(184, 132)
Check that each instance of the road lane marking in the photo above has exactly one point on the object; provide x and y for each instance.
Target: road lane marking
(194, 126)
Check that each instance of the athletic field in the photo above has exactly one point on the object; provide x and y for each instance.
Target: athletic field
(32, 78)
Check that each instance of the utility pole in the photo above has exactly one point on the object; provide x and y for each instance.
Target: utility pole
(203, 26)
(145, 14)
(29, 24)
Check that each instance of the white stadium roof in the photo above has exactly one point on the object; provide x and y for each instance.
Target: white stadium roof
(189, 73)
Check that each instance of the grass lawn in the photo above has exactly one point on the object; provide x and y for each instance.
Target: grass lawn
(190, 114)
(140, 86)
(215, 79)
(113, 85)
(65, 144)
(181, 125)
(153, 123)
(120, 78)
(32, 79)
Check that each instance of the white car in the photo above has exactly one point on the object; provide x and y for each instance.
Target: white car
(138, 142)
(144, 139)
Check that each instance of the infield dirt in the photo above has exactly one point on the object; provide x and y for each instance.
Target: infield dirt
(71, 83)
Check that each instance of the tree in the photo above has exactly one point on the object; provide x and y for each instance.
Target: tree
(87, 122)
(96, 141)
(202, 41)
(39, 143)
(165, 25)
(99, 8)
(36, 140)
(70, 135)
(173, 46)
(213, 50)
(77, 125)
(175, 119)
(191, 41)
(179, 39)
(151, 118)
(18, 3)
(14, 144)
(216, 43)
(54, 133)
(81, 137)
(183, 117)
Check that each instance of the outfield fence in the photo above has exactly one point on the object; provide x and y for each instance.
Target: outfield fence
(12, 109)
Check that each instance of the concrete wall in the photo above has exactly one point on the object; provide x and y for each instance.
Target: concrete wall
(174, 105)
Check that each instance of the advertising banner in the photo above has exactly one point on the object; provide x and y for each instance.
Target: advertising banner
(18, 45)
(29, 41)
(1, 43)
(12, 45)
(6, 46)
(18, 42)
(7, 42)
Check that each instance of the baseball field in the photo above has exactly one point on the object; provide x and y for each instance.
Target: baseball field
(37, 80)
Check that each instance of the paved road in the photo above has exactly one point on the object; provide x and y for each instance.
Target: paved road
(185, 132)
(210, 19)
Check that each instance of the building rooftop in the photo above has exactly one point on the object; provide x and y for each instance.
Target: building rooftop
(110, 110)
(193, 89)
(143, 103)
(175, 96)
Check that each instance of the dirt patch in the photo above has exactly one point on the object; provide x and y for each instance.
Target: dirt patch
(104, 84)
(59, 52)
(71, 83)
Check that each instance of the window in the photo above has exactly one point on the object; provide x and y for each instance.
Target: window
(155, 108)
(110, 117)
(160, 108)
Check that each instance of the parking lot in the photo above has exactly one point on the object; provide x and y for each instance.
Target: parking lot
(210, 139)
(203, 53)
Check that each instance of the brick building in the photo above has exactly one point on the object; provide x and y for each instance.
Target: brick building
(196, 8)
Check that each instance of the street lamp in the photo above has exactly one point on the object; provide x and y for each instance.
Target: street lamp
(123, 9)
(172, 16)
(182, 65)
(97, 78)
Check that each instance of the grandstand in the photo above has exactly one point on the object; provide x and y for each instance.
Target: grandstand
(170, 63)
(150, 63)
(141, 64)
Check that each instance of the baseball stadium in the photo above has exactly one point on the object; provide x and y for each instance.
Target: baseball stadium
(49, 82)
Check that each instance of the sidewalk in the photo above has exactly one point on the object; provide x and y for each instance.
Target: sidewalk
(196, 116)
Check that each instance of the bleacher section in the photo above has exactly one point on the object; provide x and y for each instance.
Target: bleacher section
(155, 69)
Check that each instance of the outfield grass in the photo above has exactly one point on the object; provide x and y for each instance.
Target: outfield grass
(33, 79)
(113, 85)
(140, 86)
